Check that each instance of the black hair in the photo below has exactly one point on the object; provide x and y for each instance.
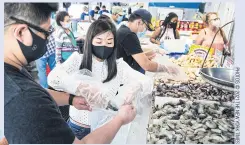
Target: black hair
(98, 27)
(34, 13)
(97, 8)
(104, 17)
(104, 7)
(166, 22)
(60, 17)
(133, 17)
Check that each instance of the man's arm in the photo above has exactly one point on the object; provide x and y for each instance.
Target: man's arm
(46, 123)
(145, 63)
(133, 48)
(100, 135)
(62, 99)
(125, 115)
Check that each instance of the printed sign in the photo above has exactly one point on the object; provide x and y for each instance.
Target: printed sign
(201, 51)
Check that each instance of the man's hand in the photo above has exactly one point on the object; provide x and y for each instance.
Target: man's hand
(161, 68)
(80, 103)
(126, 114)
(4, 141)
(168, 69)
(172, 70)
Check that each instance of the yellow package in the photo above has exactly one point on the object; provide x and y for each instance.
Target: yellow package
(200, 50)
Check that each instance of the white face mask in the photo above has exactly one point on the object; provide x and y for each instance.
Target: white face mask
(216, 23)
(66, 26)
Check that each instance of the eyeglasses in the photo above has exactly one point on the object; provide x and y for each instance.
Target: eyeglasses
(148, 25)
(120, 15)
(46, 33)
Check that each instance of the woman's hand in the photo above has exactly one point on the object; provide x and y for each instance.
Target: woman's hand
(80, 103)
(93, 95)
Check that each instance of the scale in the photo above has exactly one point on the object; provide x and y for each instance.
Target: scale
(222, 78)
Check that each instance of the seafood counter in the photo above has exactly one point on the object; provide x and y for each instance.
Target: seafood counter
(190, 111)
(191, 90)
(191, 122)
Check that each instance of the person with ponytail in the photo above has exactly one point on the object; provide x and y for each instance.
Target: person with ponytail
(167, 30)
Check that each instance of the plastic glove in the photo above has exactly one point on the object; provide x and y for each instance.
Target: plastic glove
(132, 93)
(161, 68)
(127, 95)
(172, 70)
(92, 92)
(168, 69)
(159, 51)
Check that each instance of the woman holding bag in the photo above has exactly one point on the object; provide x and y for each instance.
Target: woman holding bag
(99, 57)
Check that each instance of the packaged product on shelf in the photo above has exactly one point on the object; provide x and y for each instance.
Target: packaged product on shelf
(200, 50)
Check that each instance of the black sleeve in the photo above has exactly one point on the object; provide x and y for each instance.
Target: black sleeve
(34, 118)
(131, 44)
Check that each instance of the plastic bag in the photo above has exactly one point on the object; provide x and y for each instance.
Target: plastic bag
(91, 89)
(141, 99)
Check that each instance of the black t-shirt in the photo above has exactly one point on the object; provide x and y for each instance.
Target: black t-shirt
(31, 116)
(128, 44)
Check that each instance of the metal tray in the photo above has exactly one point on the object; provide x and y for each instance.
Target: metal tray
(221, 76)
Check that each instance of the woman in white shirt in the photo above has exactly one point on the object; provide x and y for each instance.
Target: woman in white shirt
(99, 57)
(167, 31)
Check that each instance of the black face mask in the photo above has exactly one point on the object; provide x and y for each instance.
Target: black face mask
(37, 50)
(173, 25)
(102, 52)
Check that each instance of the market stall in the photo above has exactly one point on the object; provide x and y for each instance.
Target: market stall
(186, 108)
(190, 109)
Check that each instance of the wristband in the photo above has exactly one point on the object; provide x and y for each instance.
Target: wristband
(71, 97)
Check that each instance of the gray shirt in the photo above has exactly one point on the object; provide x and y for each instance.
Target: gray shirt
(31, 116)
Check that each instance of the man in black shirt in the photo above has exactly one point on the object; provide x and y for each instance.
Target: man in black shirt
(129, 47)
(31, 114)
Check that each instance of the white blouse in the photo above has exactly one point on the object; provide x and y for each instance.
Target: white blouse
(61, 78)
